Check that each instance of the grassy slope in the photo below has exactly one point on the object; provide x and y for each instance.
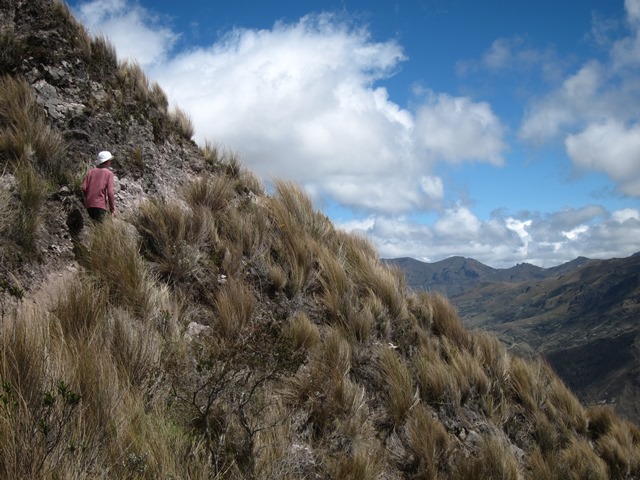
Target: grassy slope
(313, 359)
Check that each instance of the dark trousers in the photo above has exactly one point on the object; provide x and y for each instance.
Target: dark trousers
(97, 214)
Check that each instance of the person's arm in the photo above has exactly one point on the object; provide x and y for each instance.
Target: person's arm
(85, 185)
(112, 205)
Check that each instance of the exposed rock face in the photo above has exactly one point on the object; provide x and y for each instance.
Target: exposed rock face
(95, 104)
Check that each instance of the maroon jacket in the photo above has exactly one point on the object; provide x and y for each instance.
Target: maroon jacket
(98, 189)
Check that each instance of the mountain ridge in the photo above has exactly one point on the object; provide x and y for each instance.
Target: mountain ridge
(561, 313)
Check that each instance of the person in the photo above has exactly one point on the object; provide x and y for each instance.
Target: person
(98, 188)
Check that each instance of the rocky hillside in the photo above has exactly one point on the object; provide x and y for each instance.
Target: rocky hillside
(213, 331)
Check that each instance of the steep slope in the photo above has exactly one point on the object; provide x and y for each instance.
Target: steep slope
(309, 358)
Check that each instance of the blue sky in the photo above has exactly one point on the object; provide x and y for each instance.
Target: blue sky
(503, 130)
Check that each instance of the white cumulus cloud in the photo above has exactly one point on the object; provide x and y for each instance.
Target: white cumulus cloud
(610, 147)
(594, 112)
(133, 29)
(305, 101)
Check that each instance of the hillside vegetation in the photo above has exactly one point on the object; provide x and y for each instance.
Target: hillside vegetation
(124, 352)
(581, 316)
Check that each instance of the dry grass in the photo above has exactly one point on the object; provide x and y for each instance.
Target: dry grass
(81, 310)
(39, 402)
(314, 360)
(178, 240)
(234, 307)
(324, 387)
(446, 321)
(396, 383)
(579, 461)
(436, 380)
(601, 420)
(493, 461)
(214, 193)
(294, 213)
(360, 464)
(26, 136)
(8, 209)
(11, 51)
(527, 384)
(472, 381)
(294, 251)
(427, 443)
(135, 349)
(104, 60)
(618, 448)
(304, 333)
(181, 122)
(419, 305)
(133, 81)
(158, 97)
(563, 405)
(33, 191)
(338, 293)
(212, 152)
(493, 356)
(113, 259)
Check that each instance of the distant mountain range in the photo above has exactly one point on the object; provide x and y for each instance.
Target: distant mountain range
(582, 316)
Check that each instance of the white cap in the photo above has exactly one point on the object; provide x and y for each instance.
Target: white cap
(104, 157)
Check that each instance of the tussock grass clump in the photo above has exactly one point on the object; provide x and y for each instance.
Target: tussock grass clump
(8, 209)
(113, 258)
(396, 382)
(176, 239)
(601, 420)
(427, 444)
(234, 307)
(32, 191)
(301, 234)
(214, 193)
(545, 433)
(578, 460)
(135, 350)
(446, 321)
(295, 253)
(492, 461)
(103, 56)
(325, 389)
(137, 87)
(472, 381)
(360, 464)
(11, 51)
(493, 356)
(339, 296)
(81, 310)
(527, 382)
(158, 97)
(304, 333)
(372, 276)
(132, 78)
(563, 404)
(26, 135)
(436, 380)
(293, 211)
(38, 399)
(419, 305)
(211, 151)
(181, 122)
